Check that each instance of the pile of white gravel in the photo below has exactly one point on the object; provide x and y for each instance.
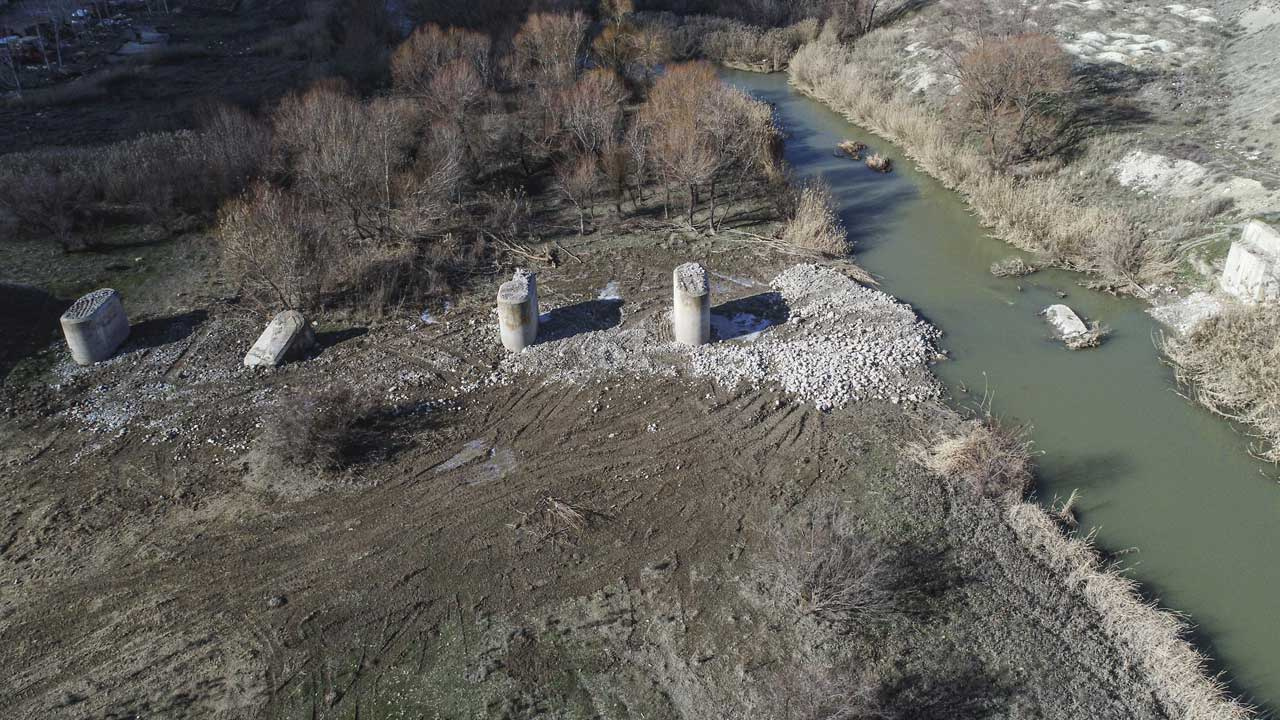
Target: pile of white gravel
(841, 343)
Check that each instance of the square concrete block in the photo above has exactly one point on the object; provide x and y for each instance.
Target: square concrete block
(95, 326)
(1252, 272)
(288, 336)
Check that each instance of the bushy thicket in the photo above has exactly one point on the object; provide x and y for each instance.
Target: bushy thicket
(74, 195)
(1231, 363)
(731, 42)
(814, 226)
(385, 199)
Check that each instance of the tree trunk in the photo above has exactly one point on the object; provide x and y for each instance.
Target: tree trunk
(693, 201)
(711, 219)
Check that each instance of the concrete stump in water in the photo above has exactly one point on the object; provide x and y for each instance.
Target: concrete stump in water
(691, 310)
(287, 337)
(518, 311)
(94, 326)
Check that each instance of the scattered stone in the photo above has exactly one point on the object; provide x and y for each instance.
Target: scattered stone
(95, 326)
(276, 601)
(288, 336)
(1183, 315)
(1252, 272)
(841, 343)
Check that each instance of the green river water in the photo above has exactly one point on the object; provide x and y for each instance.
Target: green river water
(1160, 478)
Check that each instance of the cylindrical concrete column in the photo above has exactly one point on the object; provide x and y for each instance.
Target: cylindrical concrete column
(94, 326)
(691, 311)
(518, 311)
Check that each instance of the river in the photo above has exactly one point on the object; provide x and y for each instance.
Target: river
(1169, 487)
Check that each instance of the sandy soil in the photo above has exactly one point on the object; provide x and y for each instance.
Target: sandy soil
(160, 561)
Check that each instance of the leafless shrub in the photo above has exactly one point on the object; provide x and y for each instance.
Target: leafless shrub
(815, 227)
(275, 248)
(314, 430)
(991, 459)
(855, 18)
(1231, 364)
(1012, 267)
(729, 41)
(826, 571)
(632, 51)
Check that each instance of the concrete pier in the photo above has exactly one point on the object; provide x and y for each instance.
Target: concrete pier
(94, 326)
(518, 311)
(691, 310)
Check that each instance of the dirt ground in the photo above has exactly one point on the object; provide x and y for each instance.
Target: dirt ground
(159, 561)
(213, 55)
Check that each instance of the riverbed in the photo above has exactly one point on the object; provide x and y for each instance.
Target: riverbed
(1170, 488)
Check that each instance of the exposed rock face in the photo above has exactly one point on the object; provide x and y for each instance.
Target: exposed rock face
(288, 336)
(95, 325)
(1252, 272)
(1065, 321)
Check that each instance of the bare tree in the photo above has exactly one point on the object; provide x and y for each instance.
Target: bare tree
(10, 60)
(701, 132)
(673, 119)
(578, 179)
(456, 95)
(429, 50)
(854, 18)
(1014, 93)
(591, 111)
(548, 48)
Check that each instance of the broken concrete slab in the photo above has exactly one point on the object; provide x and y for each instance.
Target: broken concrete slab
(95, 326)
(1252, 272)
(288, 336)
(1064, 321)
